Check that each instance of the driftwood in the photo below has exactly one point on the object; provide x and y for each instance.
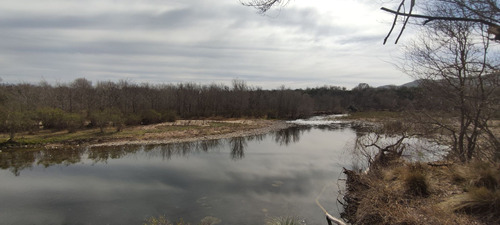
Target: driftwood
(332, 220)
(387, 153)
(437, 164)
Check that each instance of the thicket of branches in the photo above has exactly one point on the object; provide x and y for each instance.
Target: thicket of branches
(82, 104)
(454, 57)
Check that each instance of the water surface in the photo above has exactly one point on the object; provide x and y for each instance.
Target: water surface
(240, 180)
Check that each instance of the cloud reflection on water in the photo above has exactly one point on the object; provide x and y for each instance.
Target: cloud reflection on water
(18, 160)
(240, 180)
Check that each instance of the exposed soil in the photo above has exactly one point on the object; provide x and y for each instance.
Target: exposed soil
(195, 130)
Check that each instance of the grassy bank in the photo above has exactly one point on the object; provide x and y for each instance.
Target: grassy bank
(374, 116)
(174, 130)
(430, 193)
(395, 191)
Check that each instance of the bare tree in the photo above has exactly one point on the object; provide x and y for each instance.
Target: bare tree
(456, 70)
(485, 13)
(482, 13)
(264, 5)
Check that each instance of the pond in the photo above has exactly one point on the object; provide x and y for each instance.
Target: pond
(244, 180)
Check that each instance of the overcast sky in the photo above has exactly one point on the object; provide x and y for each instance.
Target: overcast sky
(308, 43)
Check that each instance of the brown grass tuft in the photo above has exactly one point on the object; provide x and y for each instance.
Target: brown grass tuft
(478, 201)
(485, 175)
(416, 184)
(414, 193)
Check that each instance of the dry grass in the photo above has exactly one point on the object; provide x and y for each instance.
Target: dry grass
(409, 193)
(481, 191)
(374, 116)
(283, 221)
(171, 130)
(477, 201)
(162, 220)
(415, 180)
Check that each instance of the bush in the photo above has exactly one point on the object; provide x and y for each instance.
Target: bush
(169, 116)
(72, 121)
(99, 119)
(151, 116)
(415, 181)
(51, 118)
(116, 117)
(16, 121)
(392, 127)
(55, 118)
(105, 117)
(162, 220)
(283, 221)
(132, 119)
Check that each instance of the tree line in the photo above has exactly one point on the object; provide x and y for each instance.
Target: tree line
(80, 104)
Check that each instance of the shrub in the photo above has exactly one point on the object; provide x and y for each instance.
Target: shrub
(415, 181)
(99, 119)
(162, 220)
(210, 220)
(392, 127)
(151, 116)
(51, 118)
(116, 117)
(283, 221)
(132, 119)
(16, 121)
(72, 121)
(103, 118)
(169, 116)
(55, 118)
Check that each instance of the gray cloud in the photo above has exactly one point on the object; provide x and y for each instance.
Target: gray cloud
(189, 41)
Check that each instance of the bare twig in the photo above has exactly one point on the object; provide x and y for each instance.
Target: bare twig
(394, 22)
(431, 18)
(493, 28)
(406, 21)
(264, 5)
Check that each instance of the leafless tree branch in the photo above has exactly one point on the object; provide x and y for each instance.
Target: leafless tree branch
(484, 12)
(431, 18)
(264, 5)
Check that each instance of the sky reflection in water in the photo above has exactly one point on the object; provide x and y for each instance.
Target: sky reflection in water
(241, 180)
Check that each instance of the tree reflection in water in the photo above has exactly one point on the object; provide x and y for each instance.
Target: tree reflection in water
(290, 135)
(238, 145)
(18, 160)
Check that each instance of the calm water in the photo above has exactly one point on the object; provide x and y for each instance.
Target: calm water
(240, 180)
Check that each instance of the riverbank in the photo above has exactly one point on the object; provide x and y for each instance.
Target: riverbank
(163, 133)
(423, 193)
(200, 130)
(396, 191)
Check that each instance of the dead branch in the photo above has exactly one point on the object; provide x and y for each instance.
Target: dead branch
(431, 18)
(492, 27)
(264, 5)
(438, 164)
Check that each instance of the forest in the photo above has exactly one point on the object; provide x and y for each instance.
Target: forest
(81, 104)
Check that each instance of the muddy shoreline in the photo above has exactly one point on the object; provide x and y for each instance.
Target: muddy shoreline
(262, 127)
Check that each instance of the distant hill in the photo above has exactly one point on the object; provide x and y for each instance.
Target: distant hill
(414, 83)
(488, 79)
